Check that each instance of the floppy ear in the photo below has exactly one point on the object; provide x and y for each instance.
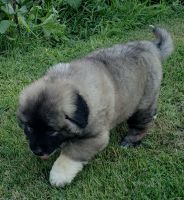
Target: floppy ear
(80, 116)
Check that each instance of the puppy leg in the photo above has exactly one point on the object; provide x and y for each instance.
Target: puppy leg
(138, 124)
(64, 170)
(74, 156)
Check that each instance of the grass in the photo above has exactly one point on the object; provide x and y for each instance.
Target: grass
(154, 170)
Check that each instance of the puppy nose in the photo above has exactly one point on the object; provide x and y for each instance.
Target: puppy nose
(37, 151)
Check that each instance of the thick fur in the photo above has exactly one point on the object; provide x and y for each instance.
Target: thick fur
(75, 105)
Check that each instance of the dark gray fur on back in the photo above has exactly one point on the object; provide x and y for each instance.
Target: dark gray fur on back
(136, 72)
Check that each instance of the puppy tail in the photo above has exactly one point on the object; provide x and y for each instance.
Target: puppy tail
(163, 42)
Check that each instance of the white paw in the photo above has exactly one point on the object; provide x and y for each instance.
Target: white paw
(64, 170)
(155, 116)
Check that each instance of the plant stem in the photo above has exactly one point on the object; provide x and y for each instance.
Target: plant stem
(15, 16)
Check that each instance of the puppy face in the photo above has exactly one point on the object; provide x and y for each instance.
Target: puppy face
(51, 116)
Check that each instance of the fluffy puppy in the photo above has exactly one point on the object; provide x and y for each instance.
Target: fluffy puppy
(75, 105)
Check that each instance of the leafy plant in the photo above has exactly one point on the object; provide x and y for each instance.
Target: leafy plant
(55, 19)
(33, 16)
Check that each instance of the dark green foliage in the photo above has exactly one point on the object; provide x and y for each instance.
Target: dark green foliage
(56, 20)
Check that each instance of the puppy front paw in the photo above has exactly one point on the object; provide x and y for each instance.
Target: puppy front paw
(58, 178)
(64, 170)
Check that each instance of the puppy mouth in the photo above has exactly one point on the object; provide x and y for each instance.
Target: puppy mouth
(47, 156)
(44, 157)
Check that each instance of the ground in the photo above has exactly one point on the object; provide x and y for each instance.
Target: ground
(154, 170)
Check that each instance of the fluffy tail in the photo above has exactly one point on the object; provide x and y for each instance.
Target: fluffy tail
(163, 42)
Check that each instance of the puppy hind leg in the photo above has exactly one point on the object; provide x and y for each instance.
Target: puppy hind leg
(138, 124)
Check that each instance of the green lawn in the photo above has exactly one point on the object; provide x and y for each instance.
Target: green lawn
(155, 170)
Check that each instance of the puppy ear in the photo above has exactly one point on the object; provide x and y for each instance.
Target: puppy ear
(80, 116)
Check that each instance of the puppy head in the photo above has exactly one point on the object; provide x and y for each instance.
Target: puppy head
(51, 114)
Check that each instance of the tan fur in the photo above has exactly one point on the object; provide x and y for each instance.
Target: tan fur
(115, 83)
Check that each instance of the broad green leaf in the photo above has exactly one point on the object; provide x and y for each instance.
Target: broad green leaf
(24, 23)
(23, 10)
(8, 9)
(47, 20)
(31, 16)
(35, 8)
(5, 1)
(4, 25)
(74, 3)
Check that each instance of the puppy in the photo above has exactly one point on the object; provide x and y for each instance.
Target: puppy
(75, 105)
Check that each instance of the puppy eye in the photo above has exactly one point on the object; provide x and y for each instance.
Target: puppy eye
(54, 134)
(27, 129)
